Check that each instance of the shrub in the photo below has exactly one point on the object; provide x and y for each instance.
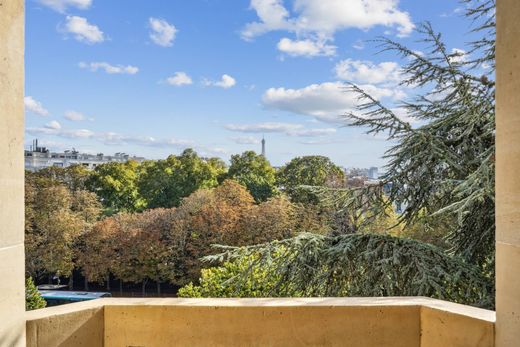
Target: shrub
(33, 299)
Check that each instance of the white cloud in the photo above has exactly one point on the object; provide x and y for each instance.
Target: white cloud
(308, 48)
(359, 45)
(270, 127)
(454, 12)
(34, 106)
(110, 69)
(246, 140)
(312, 16)
(108, 138)
(66, 133)
(225, 82)
(273, 16)
(163, 33)
(75, 116)
(113, 138)
(312, 132)
(315, 21)
(323, 141)
(62, 5)
(458, 55)
(367, 72)
(83, 31)
(53, 125)
(289, 129)
(179, 79)
(325, 101)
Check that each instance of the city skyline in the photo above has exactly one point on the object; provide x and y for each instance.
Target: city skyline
(153, 79)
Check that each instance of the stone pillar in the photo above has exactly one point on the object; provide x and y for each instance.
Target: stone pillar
(12, 287)
(508, 174)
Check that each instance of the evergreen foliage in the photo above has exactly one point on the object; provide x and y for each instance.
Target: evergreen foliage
(33, 299)
(443, 161)
(344, 265)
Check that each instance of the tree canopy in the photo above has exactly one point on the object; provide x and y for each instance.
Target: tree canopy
(165, 182)
(55, 220)
(314, 171)
(116, 185)
(255, 172)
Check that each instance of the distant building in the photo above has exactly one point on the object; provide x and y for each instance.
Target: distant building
(373, 173)
(263, 146)
(37, 158)
(356, 172)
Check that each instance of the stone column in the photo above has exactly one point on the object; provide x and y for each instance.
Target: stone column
(12, 287)
(508, 174)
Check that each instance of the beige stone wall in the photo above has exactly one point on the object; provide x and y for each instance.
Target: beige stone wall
(508, 174)
(366, 322)
(444, 328)
(12, 293)
(157, 326)
(74, 325)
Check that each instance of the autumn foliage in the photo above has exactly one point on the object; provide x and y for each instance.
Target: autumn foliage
(165, 245)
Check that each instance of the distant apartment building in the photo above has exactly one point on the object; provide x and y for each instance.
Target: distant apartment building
(373, 173)
(37, 158)
(370, 173)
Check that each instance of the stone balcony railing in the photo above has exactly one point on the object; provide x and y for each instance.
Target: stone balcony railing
(381, 322)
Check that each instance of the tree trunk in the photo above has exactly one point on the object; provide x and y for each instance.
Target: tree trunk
(121, 287)
(158, 288)
(143, 288)
(71, 282)
(86, 284)
(108, 282)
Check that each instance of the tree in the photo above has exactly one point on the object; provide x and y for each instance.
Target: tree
(97, 255)
(274, 219)
(431, 229)
(212, 216)
(317, 171)
(33, 299)
(74, 177)
(88, 209)
(441, 164)
(254, 172)
(227, 215)
(116, 185)
(258, 284)
(133, 247)
(360, 216)
(153, 247)
(346, 265)
(444, 162)
(51, 228)
(165, 182)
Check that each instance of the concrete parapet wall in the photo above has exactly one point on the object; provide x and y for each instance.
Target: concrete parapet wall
(363, 322)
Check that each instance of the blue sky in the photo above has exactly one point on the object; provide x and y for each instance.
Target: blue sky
(151, 78)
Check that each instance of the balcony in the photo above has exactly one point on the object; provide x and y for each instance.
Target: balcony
(259, 322)
(403, 322)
